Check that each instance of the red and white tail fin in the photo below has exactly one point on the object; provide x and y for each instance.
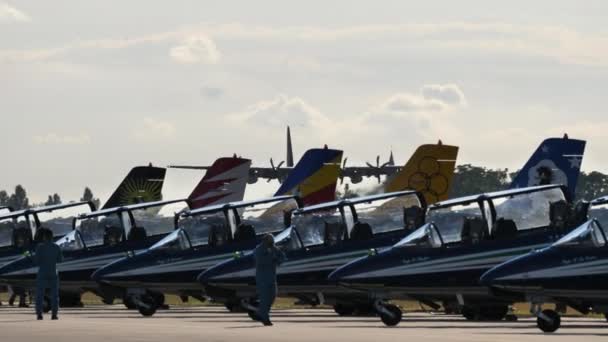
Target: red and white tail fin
(224, 182)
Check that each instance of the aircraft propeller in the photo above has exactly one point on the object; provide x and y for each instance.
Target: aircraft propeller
(378, 167)
(275, 170)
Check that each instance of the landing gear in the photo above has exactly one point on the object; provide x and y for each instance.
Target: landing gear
(390, 314)
(129, 303)
(147, 305)
(606, 316)
(70, 300)
(344, 309)
(548, 321)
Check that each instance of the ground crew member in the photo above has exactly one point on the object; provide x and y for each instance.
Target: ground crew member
(47, 256)
(267, 258)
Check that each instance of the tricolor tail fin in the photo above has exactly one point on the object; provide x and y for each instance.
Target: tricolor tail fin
(430, 170)
(142, 184)
(555, 161)
(315, 176)
(225, 181)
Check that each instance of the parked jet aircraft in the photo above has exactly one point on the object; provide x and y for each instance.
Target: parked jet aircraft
(171, 266)
(464, 237)
(429, 171)
(105, 235)
(573, 271)
(321, 238)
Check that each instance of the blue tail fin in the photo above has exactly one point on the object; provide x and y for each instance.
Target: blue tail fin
(556, 161)
(314, 177)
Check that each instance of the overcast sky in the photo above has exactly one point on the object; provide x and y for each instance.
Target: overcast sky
(90, 89)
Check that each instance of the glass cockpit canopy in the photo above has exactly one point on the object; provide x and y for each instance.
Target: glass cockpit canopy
(109, 227)
(590, 234)
(199, 227)
(329, 223)
(58, 218)
(453, 221)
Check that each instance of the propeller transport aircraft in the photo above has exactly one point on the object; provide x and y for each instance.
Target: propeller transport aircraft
(102, 236)
(280, 172)
(464, 237)
(206, 236)
(573, 271)
(326, 236)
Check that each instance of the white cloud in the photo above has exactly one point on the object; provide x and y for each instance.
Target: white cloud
(281, 111)
(57, 139)
(196, 49)
(11, 14)
(430, 98)
(154, 129)
(450, 94)
(194, 45)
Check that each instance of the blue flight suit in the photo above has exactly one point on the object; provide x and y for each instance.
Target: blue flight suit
(266, 262)
(47, 256)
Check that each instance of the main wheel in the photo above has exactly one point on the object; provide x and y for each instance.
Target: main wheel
(471, 314)
(549, 321)
(128, 302)
(392, 317)
(344, 309)
(148, 306)
(606, 316)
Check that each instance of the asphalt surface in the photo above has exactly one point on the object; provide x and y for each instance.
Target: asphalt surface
(184, 324)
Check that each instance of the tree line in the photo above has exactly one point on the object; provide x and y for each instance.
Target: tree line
(468, 179)
(18, 200)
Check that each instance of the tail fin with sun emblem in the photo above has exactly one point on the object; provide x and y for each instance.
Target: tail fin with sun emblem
(142, 184)
(225, 181)
(555, 161)
(430, 171)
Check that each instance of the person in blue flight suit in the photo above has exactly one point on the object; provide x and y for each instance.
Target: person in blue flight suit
(267, 258)
(48, 254)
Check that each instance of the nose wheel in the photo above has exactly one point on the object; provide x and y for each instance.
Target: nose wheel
(390, 314)
(548, 321)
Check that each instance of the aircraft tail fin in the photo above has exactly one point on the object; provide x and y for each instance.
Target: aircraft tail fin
(430, 170)
(225, 181)
(289, 160)
(315, 176)
(555, 161)
(142, 184)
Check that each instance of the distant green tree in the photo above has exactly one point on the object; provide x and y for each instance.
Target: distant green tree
(591, 186)
(53, 199)
(88, 196)
(4, 198)
(470, 179)
(19, 199)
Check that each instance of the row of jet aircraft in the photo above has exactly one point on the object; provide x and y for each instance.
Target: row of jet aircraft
(407, 241)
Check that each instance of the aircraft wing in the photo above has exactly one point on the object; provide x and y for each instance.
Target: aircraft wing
(254, 172)
(269, 172)
(189, 167)
(366, 171)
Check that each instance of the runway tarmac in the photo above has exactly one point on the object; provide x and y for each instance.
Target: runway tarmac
(183, 324)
